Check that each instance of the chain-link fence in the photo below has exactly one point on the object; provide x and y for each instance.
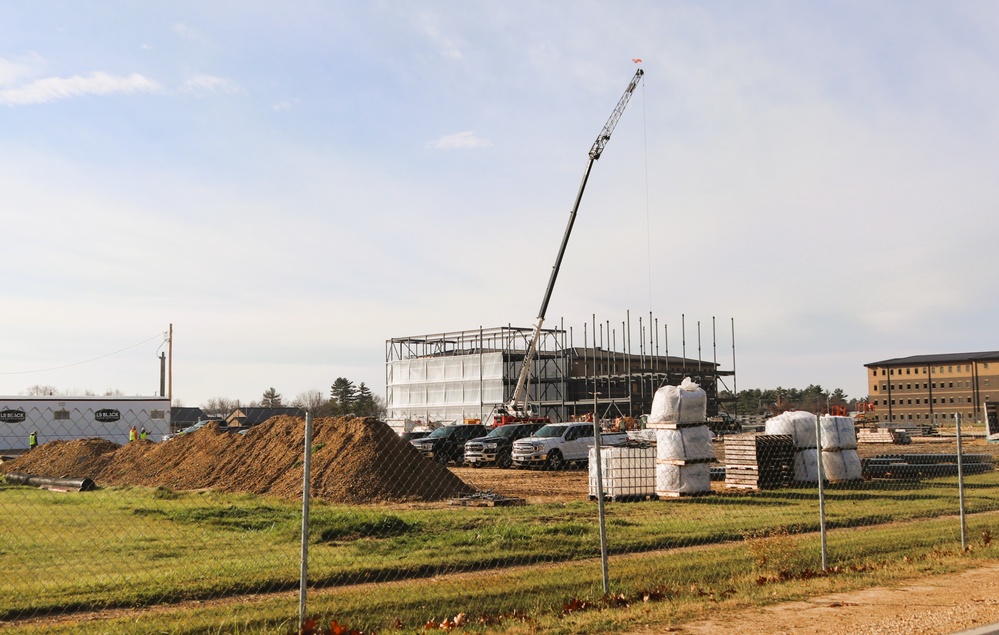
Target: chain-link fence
(469, 528)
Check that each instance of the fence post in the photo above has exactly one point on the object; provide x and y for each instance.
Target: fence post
(600, 485)
(822, 494)
(960, 483)
(303, 580)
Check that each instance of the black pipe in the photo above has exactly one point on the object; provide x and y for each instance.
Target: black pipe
(76, 484)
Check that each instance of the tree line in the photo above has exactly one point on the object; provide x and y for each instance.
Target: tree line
(756, 401)
(345, 399)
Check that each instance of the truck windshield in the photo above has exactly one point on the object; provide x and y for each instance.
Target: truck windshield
(503, 431)
(550, 431)
(442, 432)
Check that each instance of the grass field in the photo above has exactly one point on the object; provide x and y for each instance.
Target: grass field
(201, 562)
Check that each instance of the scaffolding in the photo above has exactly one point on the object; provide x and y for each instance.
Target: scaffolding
(460, 376)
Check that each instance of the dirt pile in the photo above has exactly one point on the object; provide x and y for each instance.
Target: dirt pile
(353, 461)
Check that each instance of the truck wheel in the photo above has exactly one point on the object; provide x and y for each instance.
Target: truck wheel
(441, 458)
(504, 460)
(555, 460)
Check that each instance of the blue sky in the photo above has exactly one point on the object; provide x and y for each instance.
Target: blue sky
(292, 185)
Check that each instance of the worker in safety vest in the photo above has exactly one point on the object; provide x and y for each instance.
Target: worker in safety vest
(143, 434)
(33, 440)
(132, 434)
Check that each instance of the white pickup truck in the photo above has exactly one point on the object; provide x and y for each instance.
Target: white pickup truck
(558, 444)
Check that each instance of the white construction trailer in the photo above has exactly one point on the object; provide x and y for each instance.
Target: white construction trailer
(69, 418)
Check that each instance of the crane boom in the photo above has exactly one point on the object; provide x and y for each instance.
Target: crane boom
(516, 402)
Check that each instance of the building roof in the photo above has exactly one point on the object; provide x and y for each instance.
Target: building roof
(253, 416)
(942, 358)
(183, 415)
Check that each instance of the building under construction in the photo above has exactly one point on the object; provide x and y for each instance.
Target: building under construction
(454, 377)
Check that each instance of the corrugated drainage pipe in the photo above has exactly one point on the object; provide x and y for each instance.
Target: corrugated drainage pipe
(51, 482)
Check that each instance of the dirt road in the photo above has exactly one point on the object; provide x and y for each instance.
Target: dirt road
(935, 605)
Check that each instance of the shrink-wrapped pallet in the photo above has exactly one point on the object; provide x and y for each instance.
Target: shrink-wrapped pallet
(678, 480)
(799, 424)
(686, 403)
(838, 433)
(684, 444)
(806, 466)
(841, 465)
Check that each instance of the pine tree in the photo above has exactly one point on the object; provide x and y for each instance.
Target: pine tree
(343, 396)
(271, 399)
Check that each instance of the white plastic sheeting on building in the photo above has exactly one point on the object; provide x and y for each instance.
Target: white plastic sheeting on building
(444, 388)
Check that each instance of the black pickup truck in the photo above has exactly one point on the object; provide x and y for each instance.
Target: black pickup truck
(447, 443)
(496, 447)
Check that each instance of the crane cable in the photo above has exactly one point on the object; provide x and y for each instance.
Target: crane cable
(648, 221)
(87, 361)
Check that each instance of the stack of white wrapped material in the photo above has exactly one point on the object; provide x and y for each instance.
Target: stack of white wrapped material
(840, 461)
(683, 441)
(800, 426)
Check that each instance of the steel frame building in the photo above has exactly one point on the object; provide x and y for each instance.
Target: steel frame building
(457, 376)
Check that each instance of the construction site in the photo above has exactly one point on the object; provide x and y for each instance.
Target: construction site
(473, 375)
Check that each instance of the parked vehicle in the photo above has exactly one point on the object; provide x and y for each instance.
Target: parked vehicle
(447, 443)
(414, 434)
(558, 444)
(496, 448)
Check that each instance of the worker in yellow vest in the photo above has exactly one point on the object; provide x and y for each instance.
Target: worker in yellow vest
(132, 434)
(143, 435)
(33, 440)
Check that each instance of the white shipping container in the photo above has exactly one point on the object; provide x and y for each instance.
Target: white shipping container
(70, 418)
(627, 472)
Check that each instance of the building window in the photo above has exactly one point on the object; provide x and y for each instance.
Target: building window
(875, 387)
(908, 386)
(951, 385)
(906, 371)
(986, 382)
(909, 402)
(952, 400)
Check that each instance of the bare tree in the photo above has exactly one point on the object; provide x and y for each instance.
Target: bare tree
(313, 401)
(219, 407)
(42, 391)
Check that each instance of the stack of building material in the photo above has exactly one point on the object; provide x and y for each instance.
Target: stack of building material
(683, 440)
(629, 472)
(800, 426)
(840, 462)
(758, 461)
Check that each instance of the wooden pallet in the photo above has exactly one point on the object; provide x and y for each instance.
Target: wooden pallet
(674, 425)
(682, 494)
(758, 461)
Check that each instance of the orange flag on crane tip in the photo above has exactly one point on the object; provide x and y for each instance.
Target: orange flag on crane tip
(636, 60)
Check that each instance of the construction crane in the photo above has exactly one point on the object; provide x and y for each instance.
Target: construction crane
(517, 409)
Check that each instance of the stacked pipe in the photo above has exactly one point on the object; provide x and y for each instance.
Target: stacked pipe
(683, 440)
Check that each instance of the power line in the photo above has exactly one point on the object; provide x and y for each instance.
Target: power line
(45, 370)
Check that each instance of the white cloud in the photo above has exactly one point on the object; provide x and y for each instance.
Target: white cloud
(209, 84)
(459, 141)
(284, 104)
(11, 72)
(58, 88)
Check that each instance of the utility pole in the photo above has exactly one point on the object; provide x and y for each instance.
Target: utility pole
(170, 349)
